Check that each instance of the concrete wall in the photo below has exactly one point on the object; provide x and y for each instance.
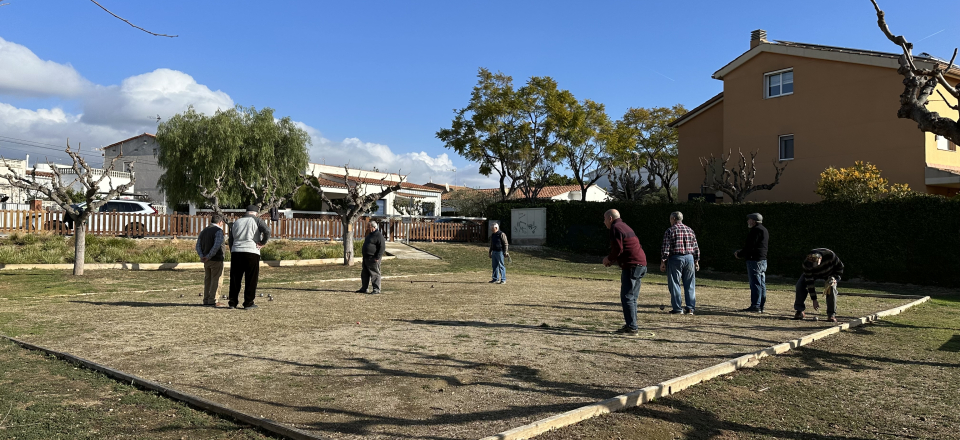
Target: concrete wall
(143, 150)
(698, 137)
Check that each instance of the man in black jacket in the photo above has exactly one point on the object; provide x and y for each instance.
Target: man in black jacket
(373, 247)
(755, 252)
(210, 249)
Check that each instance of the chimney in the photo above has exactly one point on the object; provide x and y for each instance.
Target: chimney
(758, 36)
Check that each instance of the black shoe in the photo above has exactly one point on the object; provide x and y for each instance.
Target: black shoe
(375, 292)
(750, 309)
(494, 281)
(689, 311)
(800, 315)
(251, 307)
(362, 291)
(626, 331)
(676, 312)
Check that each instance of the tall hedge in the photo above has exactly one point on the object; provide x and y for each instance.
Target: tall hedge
(914, 241)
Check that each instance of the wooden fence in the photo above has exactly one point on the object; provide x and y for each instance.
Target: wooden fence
(177, 225)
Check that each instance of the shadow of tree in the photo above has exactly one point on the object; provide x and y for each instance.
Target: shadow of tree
(140, 304)
(707, 425)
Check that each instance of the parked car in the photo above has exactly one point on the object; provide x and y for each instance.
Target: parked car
(132, 229)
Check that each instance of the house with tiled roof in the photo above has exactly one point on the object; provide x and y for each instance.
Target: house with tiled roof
(557, 192)
(812, 107)
(333, 180)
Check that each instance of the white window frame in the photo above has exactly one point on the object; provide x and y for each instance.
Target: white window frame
(780, 144)
(942, 141)
(766, 83)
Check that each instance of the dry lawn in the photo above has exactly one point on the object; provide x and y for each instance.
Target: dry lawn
(437, 356)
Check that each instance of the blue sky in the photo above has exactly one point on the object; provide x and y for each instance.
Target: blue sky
(373, 81)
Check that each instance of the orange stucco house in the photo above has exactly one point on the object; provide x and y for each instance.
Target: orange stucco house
(814, 107)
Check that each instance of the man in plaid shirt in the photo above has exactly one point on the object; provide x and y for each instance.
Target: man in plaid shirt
(680, 258)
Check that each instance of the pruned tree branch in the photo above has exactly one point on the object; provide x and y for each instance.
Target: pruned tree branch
(736, 182)
(128, 22)
(213, 196)
(919, 84)
(357, 202)
(59, 193)
(271, 194)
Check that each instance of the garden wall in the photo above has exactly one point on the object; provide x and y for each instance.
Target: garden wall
(913, 241)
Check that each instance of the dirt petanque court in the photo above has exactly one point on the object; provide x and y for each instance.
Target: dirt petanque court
(445, 356)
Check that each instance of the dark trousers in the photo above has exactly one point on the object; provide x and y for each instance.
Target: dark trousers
(799, 305)
(629, 291)
(370, 273)
(244, 266)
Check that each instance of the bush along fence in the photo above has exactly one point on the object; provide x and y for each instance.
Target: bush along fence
(914, 241)
(177, 225)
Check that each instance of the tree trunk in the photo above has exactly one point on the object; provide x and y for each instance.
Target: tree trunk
(79, 247)
(347, 242)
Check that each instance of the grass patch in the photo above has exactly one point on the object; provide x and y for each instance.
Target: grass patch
(45, 248)
(43, 397)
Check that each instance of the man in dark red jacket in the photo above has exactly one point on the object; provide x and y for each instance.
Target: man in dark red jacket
(626, 252)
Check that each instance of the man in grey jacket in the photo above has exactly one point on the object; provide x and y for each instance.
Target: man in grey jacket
(373, 248)
(247, 235)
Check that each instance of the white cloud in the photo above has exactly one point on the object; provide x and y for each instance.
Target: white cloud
(115, 112)
(419, 167)
(163, 92)
(23, 73)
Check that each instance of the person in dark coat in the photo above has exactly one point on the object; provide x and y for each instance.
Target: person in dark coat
(210, 250)
(373, 248)
(499, 248)
(755, 252)
(626, 252)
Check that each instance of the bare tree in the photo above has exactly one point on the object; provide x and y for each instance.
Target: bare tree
(736, 182)
(60, 194)
(212, 195)
(271, 194)
(919, 84)
(357, 203)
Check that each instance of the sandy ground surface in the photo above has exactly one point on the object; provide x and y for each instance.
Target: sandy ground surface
(437, 356)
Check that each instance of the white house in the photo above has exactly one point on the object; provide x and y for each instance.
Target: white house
(141, 150)
(44, 175)
(331, 179)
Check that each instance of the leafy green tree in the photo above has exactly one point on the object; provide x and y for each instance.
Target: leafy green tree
(559, 180)
(857, 184)
(644, 141)
(231, 158)
(510, 132)
(585, 132)
(470, 202)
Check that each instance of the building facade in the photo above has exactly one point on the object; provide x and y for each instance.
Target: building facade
(814, 107)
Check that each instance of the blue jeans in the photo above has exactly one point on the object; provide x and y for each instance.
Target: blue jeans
(682, 267)
(629, 291)
(499, 269)
(757, 274)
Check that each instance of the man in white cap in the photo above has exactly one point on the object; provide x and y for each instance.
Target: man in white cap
(247, 236)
